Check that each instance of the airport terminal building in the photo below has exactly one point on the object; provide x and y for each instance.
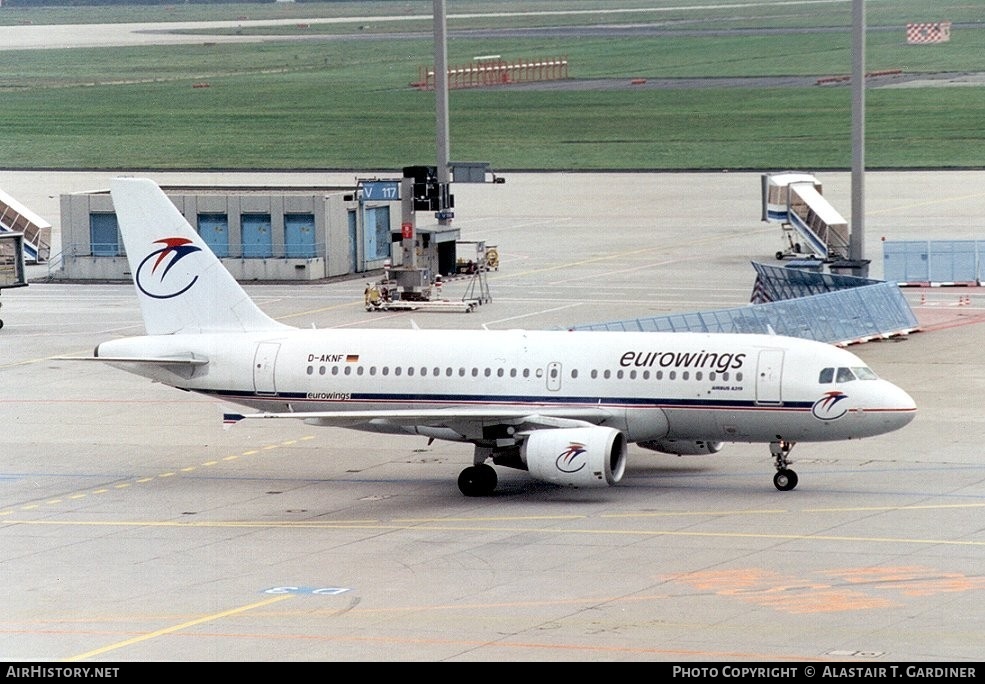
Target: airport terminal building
(272, 234)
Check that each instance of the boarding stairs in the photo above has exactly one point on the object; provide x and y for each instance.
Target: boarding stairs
(811, 226)
(16, 218)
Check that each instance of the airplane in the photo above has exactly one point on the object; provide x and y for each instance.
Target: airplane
(562, 405)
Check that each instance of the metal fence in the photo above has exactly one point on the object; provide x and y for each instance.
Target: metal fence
(837, 309)
(933, 262)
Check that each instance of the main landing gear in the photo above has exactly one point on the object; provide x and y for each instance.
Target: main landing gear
(481, 479)
(785, 479)
(478, 480)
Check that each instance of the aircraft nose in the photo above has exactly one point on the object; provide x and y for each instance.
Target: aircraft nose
(901, 406)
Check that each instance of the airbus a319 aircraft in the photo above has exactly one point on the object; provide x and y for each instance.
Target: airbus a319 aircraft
(561, 405)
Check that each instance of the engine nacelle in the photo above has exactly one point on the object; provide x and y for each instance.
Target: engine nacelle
(576, 457)
(682, 447)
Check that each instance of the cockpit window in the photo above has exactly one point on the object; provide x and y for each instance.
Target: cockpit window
(864, 373)
(829, 375)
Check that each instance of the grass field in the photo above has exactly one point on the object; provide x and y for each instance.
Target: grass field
(344, 102)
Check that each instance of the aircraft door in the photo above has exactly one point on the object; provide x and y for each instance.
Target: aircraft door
(554, 376)
(263, 367)
(769, 372)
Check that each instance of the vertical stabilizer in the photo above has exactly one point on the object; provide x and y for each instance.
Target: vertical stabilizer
(182, 286)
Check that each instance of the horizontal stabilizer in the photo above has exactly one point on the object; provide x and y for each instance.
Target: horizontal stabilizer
(155, 360)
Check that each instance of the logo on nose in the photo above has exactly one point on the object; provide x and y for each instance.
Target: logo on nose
(829, 406)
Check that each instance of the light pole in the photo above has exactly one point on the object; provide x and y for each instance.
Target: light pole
(441, 110)
(856, 242)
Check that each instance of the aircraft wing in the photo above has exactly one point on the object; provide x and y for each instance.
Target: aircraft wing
(465, 420)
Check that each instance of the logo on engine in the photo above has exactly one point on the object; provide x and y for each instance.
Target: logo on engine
(829, 406)
(571, 459)
(152, 283)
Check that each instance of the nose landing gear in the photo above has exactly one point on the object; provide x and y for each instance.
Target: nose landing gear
(785, 479)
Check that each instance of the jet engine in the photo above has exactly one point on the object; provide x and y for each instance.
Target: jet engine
(682, 447)
(576, 457)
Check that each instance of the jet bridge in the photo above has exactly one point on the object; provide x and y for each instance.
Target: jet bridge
(811, 226)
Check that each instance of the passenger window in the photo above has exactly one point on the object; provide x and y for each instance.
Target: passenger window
(606, 374)
(574, 374)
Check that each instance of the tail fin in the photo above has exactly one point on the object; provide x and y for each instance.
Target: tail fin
(182, 286)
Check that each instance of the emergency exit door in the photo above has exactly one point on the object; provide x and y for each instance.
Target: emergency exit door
(769, 371)
(264, 362)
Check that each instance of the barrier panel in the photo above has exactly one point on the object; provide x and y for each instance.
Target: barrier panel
(832, 308)
(933, 262)
(497, 72)
(928, 32)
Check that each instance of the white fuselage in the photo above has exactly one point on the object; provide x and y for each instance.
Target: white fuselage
(687, 386)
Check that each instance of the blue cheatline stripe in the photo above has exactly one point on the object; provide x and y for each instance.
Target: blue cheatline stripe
(534, 402)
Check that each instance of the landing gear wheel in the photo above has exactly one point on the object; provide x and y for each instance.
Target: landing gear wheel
(477, 480)
(785, 480)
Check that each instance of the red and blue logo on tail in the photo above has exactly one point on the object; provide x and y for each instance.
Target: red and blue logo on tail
(151, 282)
